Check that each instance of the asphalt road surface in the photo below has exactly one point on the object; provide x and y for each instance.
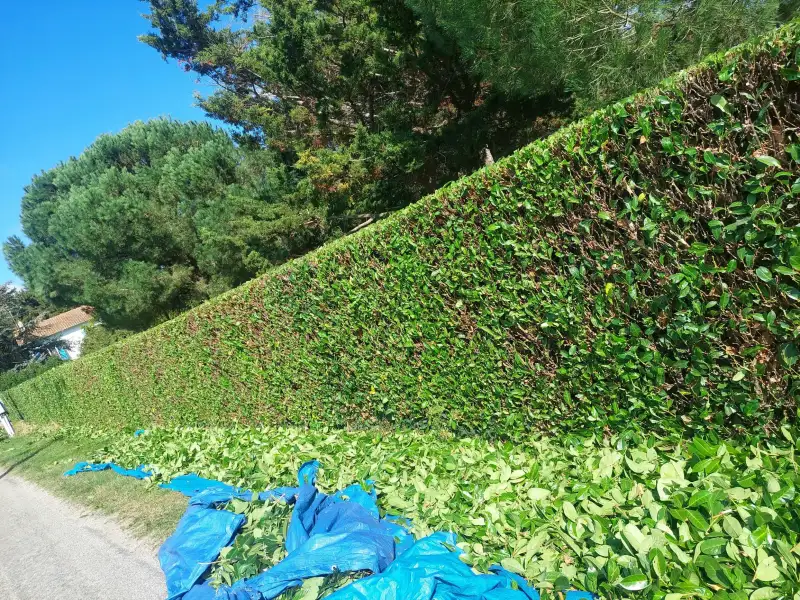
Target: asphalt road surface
(52, 549)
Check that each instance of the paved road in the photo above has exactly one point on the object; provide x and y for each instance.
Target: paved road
(52, 549)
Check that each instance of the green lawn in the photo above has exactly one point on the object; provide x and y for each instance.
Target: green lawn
(145, 510)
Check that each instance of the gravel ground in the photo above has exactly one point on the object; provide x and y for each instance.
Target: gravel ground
(52, 549)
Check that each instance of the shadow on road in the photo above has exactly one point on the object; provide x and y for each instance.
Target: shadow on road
(25, 458)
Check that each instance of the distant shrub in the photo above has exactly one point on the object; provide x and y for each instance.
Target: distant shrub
(99, 336)
(10, 379)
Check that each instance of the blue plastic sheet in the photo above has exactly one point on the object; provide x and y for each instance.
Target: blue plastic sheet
(139, 472)
(337, 533)
(327, 534)
(431, 570)
(206, 490)
(201, 534)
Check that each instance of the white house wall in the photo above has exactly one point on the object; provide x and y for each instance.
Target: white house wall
(73, 340)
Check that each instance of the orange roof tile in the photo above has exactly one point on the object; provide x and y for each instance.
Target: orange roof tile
(62, 322)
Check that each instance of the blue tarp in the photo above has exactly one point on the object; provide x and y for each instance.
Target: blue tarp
(327, 534)
(139, 472)
(431, 569)
(201, 534)
(337, 533)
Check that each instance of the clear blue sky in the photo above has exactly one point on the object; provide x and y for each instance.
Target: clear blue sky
(71, 71)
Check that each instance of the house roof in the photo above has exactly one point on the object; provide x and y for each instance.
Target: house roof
(62, 322)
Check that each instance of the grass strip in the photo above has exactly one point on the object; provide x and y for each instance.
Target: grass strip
(146, 511)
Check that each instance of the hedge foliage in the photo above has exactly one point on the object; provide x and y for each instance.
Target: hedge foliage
(10, 379)
(640, 264)
(622, 516)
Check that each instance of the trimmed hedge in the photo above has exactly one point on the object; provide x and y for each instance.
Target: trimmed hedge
(640, 264)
